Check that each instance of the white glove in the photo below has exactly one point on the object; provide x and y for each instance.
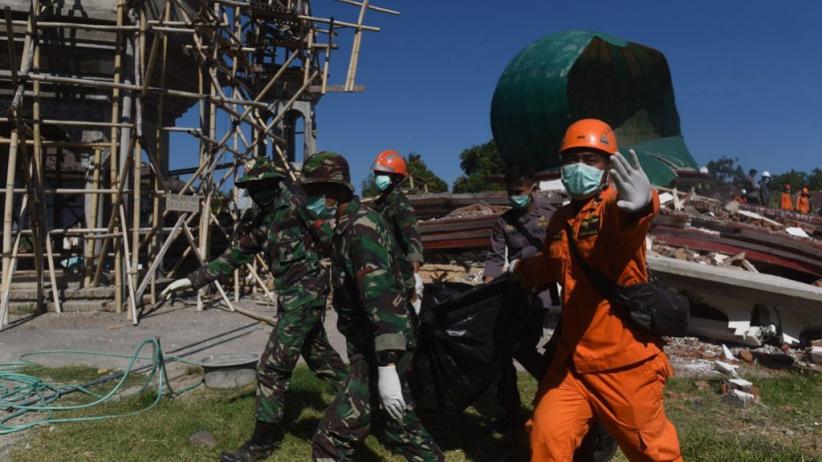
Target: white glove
(417, 305)
(391, 391)
(631, 181)
(512, 266)
(175, 286)
(419, 288)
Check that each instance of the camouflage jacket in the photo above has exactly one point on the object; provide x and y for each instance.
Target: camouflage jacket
(399, 215)
(292, 244)
(368, 290)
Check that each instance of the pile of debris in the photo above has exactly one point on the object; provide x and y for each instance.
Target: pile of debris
(462, 268)
(704, 258)
(753, 274)
(770, 241)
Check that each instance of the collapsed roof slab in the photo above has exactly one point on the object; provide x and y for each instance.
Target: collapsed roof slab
(794, 307)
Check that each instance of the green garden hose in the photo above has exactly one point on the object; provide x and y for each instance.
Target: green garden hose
(23, 394)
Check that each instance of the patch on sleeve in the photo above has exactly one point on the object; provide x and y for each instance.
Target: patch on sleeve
(589, 226)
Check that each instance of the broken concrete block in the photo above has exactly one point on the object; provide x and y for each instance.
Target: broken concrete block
(725, 368)
(816, 354)
(798, 232)
(726, 353)
(732, 206)
(203, 439)
(741, 384)
(739, 398)
(682, 254)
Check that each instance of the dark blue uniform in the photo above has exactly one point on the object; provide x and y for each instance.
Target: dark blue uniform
(520, 234)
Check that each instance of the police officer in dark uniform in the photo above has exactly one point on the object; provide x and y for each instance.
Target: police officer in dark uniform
(520, 233)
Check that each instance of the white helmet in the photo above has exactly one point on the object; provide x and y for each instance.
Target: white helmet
(766, 174)
(703, 170)
(744, 191)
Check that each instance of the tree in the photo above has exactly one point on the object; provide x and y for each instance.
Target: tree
(797, 180)
(477, 162)
(423, 176)
(726, 170)
(815, 179)
(368, 187)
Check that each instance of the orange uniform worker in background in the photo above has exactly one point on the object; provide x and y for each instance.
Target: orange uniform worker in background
(803, 201)
(787, 200)
(603, 366)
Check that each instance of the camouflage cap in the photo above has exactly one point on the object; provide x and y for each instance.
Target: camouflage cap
(258, 169)
(327, 167)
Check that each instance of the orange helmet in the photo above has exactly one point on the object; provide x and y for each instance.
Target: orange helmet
(589, 133)
(390, 161)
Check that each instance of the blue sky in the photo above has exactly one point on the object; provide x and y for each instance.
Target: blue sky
(747, 75)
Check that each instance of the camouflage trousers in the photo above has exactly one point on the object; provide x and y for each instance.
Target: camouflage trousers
(348, 420)
(299, 330)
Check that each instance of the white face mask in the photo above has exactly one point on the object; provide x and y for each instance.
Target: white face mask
(382, 182)
(581, 179)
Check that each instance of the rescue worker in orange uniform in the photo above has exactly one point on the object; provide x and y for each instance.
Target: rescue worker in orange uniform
(803, 201)
(787, 201)
(603, 367)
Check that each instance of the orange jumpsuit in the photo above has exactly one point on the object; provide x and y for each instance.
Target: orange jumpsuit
(602, 366)
(803, 204)
(787, 202)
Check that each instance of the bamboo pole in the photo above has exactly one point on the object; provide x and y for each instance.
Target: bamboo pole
(113, 148)
(124, 86)
(219, 287)
(6, 277)
(124, 158)
(175, 231)
(203, 161)
(95, 199)
(39, 169)
(141, 74)
(248, 266)
(355, 49)
(14, 146)
(162, 148)
(133, 304)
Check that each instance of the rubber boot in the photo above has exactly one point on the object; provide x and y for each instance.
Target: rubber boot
(263, 442)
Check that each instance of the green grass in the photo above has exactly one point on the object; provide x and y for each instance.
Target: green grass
(782, 429)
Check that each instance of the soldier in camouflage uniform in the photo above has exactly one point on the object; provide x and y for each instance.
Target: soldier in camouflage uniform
(369, 297)
(390, 170)
(282, 229)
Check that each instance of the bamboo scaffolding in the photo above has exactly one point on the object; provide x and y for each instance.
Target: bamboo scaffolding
(255, 99)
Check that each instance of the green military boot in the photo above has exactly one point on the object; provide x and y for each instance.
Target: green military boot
(263, 442)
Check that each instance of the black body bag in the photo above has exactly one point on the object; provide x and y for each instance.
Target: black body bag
(465, 335)
(653, 308)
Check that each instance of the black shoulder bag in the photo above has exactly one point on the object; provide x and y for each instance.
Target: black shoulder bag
(655, 309)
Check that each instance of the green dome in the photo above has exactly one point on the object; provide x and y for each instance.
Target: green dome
(574, 75)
